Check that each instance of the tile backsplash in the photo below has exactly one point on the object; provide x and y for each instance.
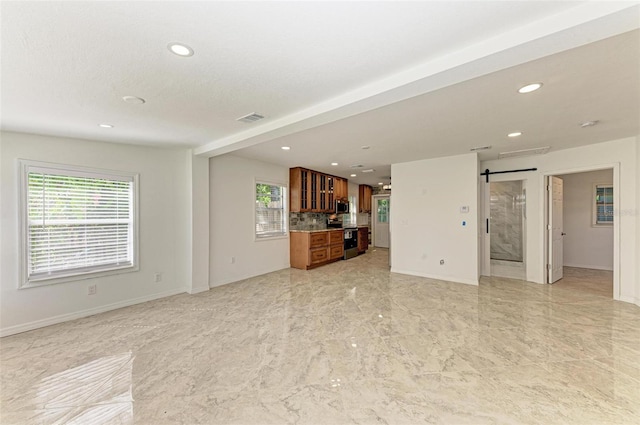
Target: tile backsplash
(305, 221)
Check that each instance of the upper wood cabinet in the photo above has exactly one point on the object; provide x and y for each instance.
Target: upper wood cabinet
(364, 198)
(312, 191)
(341, 188)
(298, 190)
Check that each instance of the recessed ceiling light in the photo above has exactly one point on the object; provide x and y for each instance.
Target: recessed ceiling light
(133, 100)
(370, 170)
(529, 88)
(380, 183)
(353, 175)
(365, 147)
(334, 163)
(285, 148)
(105, 125)
(180, 49)
(515, 134)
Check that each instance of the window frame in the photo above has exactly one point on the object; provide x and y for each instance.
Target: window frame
(24, 167)
(594, 205)
(285, 211)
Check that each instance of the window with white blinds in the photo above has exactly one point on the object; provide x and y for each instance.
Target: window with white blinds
(271, 218)
(76, 222)
(603, 205)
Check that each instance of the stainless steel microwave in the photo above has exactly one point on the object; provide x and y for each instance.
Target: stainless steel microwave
(342, 206)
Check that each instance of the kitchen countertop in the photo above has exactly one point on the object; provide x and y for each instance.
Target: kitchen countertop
(313, 231)
(321, 230)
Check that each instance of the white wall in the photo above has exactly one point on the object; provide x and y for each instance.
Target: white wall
(601, 155)
(232, 222)
(585, 245)
(196, 226)
(636, 213)
(426, 221)
(161, 195)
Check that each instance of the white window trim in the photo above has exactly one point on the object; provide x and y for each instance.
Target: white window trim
(285, 209)
(23, 167)
(594, 207)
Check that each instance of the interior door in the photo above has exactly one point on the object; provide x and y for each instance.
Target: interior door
(555, 229)
(382, 208)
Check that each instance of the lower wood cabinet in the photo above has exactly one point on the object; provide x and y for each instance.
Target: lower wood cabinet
(363, 239)
(313, 249)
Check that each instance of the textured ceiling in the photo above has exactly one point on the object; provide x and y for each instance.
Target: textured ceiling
(427, 78)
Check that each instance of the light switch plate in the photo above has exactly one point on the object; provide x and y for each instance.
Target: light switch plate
(464, 209)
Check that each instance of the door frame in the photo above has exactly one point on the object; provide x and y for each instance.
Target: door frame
(544, 217)
(374, 211)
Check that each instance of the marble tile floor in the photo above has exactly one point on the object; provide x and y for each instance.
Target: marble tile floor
(347, 343)
(598, 282)
(510, 269)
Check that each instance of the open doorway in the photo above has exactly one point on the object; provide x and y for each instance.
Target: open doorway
(580, 239)
(507, 229)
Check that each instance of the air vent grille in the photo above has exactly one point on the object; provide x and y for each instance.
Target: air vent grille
(370, 170)
(480, 148)
(252, 117)
(525, 152)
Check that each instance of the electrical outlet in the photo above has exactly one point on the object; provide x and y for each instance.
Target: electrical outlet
(157, 277)
(92, 289)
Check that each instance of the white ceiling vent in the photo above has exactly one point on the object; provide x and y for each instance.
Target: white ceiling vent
(357, 166)
(524, 152)
(480, 148)
(370, 170)
(252, 117)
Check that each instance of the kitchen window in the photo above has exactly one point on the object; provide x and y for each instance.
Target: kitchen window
(603, 205)
(76, 222)
(270, 210)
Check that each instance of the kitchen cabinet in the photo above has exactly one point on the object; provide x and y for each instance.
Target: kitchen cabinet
(299, 190)
(364, 198)
(363, 239)
(312, 191)
(313, 249)
(341, 188)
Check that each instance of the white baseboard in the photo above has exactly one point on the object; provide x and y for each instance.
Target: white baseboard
(194, 291)
(583, 266)
(631, 300)
(430, 276)
(11, 330)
